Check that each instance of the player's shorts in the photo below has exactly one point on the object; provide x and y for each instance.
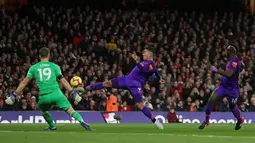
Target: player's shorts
(56, 98)
(134, 87)
(231, 95)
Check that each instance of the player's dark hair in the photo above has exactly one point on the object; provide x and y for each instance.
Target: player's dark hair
(44, 52)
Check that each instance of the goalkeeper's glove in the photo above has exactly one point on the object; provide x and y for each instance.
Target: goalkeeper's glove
(10, 100)
(76, 96)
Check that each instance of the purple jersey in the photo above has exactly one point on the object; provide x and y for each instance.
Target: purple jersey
(143, 71)
(136, 79)
(232, 82)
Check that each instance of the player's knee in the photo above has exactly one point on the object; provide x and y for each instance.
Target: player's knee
(214, 98)
(69, 110)
(107, 84)
(210, 101)
(140, 105)
(232, 106)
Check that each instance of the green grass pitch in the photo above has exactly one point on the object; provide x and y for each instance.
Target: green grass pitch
(127, 133)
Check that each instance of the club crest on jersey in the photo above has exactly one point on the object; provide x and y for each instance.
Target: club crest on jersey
(139, 90)
(150, 67)
(234, 64)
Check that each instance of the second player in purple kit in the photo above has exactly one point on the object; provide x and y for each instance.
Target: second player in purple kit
(228, 88)
(134, 82)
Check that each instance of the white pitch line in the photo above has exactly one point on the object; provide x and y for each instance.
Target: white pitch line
(134, 134)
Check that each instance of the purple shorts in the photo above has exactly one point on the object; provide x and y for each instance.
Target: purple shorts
(134, 87)
(231, 95)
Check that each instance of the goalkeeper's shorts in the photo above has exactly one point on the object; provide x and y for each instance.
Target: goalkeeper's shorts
(55, 98)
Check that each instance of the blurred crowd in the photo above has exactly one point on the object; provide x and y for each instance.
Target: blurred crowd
(97, 46)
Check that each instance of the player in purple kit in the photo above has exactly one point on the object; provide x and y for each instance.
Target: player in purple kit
(228, 88)
(134, 82)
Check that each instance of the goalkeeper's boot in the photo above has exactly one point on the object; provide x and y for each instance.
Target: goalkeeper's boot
(50, 129)
(203, 125)
(86, 126)
(239, 123)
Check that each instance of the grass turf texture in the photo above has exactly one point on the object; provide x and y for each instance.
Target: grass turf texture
(126, 133)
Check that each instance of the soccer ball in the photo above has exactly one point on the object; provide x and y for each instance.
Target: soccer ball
(76, 81)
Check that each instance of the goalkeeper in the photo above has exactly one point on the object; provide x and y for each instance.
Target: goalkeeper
(47, 75)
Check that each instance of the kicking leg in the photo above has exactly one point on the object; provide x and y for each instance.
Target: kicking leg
(78, 117)
(118, 82)
(214, 98)
(99, 85)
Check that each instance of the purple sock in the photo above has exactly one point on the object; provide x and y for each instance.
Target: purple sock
(95, 86)
(146, 111)
(208, 110)
(236, 113)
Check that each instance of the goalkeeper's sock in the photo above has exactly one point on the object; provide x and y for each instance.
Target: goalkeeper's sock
(77, 116)
(48, 119)
(208, 110)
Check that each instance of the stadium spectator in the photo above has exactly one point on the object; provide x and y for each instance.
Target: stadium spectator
(111, 103)
(252, 109)
(97, 46)
(172, 117)
(1, 104)
(180, 106)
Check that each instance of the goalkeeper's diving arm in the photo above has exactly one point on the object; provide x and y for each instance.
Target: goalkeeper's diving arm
(11, 98)
(74, 94)
(22, 85)
(65, 83)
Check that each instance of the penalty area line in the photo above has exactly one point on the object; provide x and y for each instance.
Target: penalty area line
(130, 134)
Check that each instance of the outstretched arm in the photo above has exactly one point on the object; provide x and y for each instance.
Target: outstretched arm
(65, 84)
(159, 77)
(156, 72)
(11, 98)
(22, 85)
(73, 93)
(62, 80)
(25, 81)
(140, 65)
(227, 73)
(135, 57)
